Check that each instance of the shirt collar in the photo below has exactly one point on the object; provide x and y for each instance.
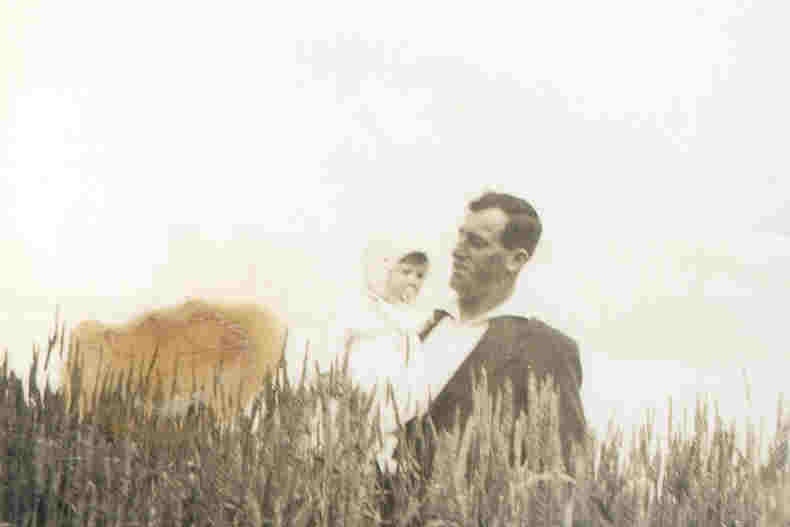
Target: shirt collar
(510, 307)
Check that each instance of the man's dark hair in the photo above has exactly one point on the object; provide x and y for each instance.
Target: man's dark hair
(523, 228)
(415, 258)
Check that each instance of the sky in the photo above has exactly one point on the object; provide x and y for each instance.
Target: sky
(154, 151)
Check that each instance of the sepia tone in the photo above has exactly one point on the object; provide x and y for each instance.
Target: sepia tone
(191, 187)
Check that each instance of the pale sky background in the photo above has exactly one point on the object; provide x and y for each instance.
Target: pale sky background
(246, 150)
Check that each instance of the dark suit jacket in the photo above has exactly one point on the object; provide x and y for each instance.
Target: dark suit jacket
(511, 348)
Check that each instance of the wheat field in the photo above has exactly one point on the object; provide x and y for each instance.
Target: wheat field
(295, 459)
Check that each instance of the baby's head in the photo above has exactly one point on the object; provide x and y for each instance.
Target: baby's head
(395, 269)
(406, 277)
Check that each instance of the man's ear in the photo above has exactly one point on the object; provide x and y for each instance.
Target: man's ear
(518, 258)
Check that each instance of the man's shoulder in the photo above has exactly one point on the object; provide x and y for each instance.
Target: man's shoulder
(538, 344)
(534, 330)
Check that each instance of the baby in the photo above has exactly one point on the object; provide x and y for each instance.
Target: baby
(385, 318)
(380, 335)
(376, 328)
(406, 277)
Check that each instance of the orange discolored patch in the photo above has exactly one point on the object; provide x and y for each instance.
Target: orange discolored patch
(194, 342)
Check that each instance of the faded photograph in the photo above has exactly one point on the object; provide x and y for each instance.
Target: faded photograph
(341, 264)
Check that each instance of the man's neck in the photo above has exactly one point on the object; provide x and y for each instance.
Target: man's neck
(471, 308)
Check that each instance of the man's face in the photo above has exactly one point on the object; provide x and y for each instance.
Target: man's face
(405, 281)
(480, 261)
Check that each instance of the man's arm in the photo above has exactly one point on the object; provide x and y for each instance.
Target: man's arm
(568, 377)
(546, 351)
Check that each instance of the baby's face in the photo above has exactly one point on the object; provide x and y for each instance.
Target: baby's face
(405, 281)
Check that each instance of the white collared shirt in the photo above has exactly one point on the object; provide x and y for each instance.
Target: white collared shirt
(446, 347)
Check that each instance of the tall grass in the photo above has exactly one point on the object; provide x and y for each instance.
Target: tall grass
(303, 456)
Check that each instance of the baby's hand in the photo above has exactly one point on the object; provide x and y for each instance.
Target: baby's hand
(409, 295)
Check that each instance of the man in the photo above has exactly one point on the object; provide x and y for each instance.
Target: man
(483, 327)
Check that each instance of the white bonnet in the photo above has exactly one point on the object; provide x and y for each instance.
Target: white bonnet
(382, 253)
